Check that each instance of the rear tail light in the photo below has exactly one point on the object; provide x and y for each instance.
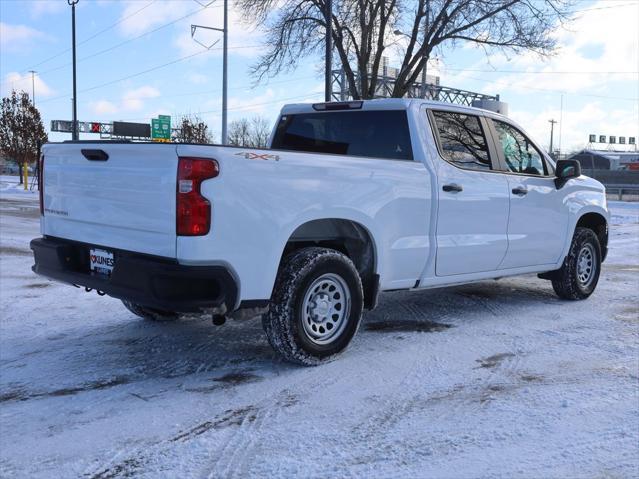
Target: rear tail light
(41, 183)
(193, 210)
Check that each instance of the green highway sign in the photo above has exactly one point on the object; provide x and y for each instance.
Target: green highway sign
(161, 128)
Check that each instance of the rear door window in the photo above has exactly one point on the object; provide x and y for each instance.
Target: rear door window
(377, 134)
(462, 140)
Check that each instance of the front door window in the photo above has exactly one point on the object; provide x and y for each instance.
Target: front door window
(519, 153)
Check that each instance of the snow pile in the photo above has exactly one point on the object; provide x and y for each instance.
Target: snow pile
(11, 185)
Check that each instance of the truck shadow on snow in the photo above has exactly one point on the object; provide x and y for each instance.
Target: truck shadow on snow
(199, 357)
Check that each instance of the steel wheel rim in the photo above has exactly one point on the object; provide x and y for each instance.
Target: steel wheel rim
(586, 266)
(326, 308)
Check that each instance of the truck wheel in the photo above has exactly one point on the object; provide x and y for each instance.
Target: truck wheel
(316, 306)
(578, 276)
(150, 313)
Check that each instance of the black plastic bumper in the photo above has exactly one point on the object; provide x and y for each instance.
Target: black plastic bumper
(142, 279)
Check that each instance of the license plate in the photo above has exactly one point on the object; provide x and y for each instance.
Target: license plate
(101, 261)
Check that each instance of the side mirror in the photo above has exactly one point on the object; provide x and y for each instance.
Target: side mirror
(565, 170)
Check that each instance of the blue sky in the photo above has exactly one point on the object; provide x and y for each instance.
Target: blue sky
(591, 84)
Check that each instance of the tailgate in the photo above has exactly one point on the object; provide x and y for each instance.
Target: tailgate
(125, 202)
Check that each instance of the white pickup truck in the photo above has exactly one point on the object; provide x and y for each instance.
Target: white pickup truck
(351, 199)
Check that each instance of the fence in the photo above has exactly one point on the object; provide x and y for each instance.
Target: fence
(620, 185)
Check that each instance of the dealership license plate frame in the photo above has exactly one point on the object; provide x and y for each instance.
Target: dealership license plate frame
(101, 261)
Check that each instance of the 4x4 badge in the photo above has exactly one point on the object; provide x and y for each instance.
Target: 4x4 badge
(254, 156)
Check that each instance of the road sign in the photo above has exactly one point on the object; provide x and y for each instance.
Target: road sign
(161, 128)
(139, 130)
(67, 126)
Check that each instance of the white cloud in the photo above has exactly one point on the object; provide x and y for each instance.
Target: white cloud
(591, 118)
(39, 8)
(160, 13)
(133, 100)
(197, 78)
(103, 107)
(17, 38)
(23, 82)
(597, 41)
(253, 104)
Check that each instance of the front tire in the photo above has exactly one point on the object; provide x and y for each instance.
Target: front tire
(316, 307)
(579, 274)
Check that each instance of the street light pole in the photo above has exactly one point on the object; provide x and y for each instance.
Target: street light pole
(32, 86)
(225, 75)
(552, 130)
(328, 15)
(74, 136)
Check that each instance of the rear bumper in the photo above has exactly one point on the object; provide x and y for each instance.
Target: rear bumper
(142, 279)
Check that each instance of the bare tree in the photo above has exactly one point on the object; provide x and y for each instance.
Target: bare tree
(193, 130)
(362, 31)
(21, 130)
(253, 133)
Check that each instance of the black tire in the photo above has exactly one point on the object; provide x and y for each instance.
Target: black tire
(151, 314)
(567, 282)
(303, 304)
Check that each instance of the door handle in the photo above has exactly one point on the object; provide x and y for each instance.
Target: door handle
(452, 188)
(520, 191)
(95, 155)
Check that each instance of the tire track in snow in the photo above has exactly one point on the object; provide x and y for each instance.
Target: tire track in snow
(235, 453)
(271, 408)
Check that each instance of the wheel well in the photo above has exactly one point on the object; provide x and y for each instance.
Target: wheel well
(596, 223)
(347, 237)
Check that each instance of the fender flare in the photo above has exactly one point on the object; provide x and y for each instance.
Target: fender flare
(572, 225)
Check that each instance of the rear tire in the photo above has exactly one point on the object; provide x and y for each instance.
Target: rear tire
(151, 314)
(316, 306)
(579, 274)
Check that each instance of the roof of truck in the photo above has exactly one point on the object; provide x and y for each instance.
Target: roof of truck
(386, 104)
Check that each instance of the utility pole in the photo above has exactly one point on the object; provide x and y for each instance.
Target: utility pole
(32, 86)
(552, 130)
(425, 79)
(225, 74)
(328, 16)
(225, 37)
(74, 136)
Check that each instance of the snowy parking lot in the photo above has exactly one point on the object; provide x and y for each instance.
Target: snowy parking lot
(493, 379)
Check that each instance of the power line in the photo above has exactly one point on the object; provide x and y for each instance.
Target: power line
(240, 87)
(544, 72)
(111, 82)
(604, 8)
(125, 42)
(94, 35)
(550, 90)
(133, 75)
(240, 108)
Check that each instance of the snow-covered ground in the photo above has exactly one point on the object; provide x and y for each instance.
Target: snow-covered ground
(495, 379)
